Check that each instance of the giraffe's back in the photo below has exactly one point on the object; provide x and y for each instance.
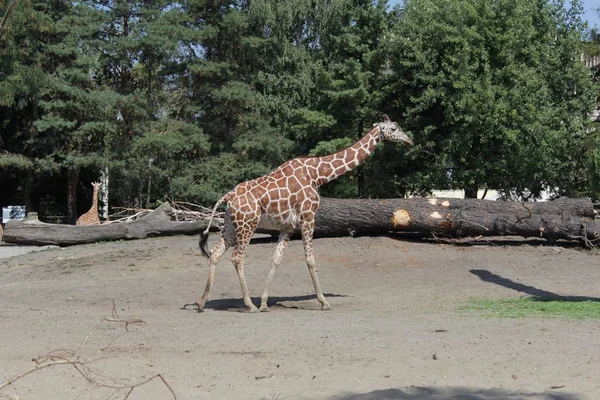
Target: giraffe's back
(278, 198)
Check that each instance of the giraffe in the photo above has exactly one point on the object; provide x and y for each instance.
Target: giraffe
(91, 217)
(284, 199)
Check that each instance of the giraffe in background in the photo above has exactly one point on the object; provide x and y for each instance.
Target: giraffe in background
(91, 217)
(286, 198)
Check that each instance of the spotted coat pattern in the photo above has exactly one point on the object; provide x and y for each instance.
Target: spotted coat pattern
(91, 217)
(283, 200)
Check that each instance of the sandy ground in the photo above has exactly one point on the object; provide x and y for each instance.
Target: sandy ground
(394, 331)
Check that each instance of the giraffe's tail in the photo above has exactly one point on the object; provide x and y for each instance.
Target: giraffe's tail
(204, 235)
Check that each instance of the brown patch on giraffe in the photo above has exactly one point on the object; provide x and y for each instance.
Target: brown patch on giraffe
(337, 163)
(401, 218)
(293, 184)
(362, 154)
(287, 170)
(273, 208)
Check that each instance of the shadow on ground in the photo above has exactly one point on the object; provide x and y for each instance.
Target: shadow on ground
(237, 304)
(453, 393)
(538, 294)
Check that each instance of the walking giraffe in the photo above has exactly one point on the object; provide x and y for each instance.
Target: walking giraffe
(284, 199)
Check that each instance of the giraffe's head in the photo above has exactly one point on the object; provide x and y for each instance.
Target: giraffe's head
(96, 185)
(389, 130)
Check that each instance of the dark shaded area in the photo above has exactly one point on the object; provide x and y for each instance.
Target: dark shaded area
(454, 393)
(274, 301)
(538, 294)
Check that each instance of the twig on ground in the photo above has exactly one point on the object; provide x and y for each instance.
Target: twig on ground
(73, 358)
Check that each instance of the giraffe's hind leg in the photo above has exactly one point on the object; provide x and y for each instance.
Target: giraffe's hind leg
(215, 255)
(284, 237)
(228, 239)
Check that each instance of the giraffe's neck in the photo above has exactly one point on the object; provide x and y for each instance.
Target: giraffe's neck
(337, 164)
(94, 199)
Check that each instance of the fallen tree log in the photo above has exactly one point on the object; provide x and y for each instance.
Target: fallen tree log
(569, 219)
(156, 223)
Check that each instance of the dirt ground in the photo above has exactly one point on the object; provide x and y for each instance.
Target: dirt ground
(394, 331)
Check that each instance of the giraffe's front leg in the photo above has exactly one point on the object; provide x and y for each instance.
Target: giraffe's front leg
(238, 262)
(307, 238)
(284, 237)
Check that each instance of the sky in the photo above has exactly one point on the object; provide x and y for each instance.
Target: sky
(588, 11)
(592, 17)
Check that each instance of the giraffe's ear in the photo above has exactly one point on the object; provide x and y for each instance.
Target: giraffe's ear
(386, 118)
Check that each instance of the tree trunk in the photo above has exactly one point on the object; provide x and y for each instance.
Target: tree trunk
(471, 191)
(157, 223)
(72, 181)
(568, 219)
(104, 178)
(28, 190)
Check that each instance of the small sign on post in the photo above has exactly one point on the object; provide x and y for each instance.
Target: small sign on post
(15, 213)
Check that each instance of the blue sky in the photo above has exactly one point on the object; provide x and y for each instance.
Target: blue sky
(588, 5)
(590, 14)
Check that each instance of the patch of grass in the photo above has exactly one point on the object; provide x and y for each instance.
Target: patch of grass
(533, 307)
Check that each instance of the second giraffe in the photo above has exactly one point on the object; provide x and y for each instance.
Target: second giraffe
(285, 199)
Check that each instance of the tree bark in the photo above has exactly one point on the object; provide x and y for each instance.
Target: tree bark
(104, 178)
(568, 219)
(72, 181)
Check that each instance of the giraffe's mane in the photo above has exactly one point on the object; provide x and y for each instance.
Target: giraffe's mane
(342, 149)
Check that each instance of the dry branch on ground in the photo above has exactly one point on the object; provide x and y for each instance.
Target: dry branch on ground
(82, 365)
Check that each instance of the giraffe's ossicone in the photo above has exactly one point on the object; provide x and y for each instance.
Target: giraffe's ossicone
(284, 200)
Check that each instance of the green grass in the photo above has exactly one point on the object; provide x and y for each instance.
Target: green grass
(524, 307)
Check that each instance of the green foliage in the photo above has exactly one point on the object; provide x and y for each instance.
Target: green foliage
(331, 146)
(496, 91)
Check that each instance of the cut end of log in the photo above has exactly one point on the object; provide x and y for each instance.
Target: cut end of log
(401, 218)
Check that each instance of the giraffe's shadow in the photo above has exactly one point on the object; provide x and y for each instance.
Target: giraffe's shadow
(305, 302)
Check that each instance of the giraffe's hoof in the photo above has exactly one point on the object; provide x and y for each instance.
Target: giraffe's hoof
(264, 309)
(252, 309)
(325, 306)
